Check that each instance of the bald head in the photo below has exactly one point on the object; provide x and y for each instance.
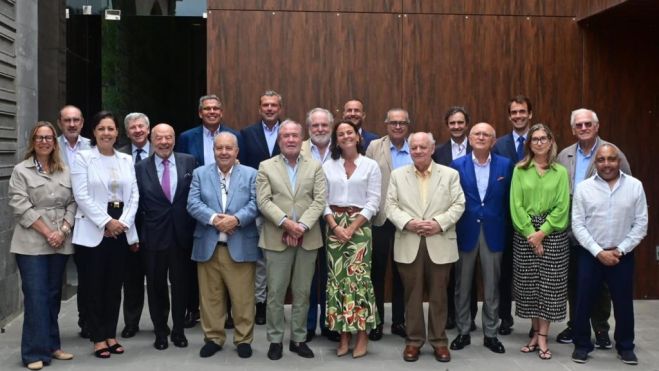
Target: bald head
(481, 138)
(422, 146)
(162, 139)
(607, 162)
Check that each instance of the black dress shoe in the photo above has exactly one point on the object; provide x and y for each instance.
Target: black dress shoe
(161, 343)
(274, 352)
(209, 349)
(375, 334)
(450, 323)
(310, 335)
(129, 331)
(179, 340)
(494, 345)
(228, 324)
(259, 317)
(191, 319)
(460, 342)
(399, 329)
(331, 335)
(244, 350)
(506, 327)
(301, 349)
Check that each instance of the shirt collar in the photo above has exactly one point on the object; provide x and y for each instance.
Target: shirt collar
(516, 136)
(592, 150)
(145, 148)
(275, 127)
(222, 175)
(475, 160)
(405, 148)
(425, 173)
(208, 133)
(171, 159)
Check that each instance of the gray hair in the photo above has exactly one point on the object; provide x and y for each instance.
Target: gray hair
(228, 134)
(209, 97)
(329, 115)
(272, 93)
(427, 135)
(135, 116)
(407, 114)
(574, 114)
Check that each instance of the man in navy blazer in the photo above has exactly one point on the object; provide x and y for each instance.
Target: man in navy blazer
(165, 232)
(198, 142)
(481, 231)
(457, 122)
(353, 110)
(223, 201)
(511, 146)
(260, 144)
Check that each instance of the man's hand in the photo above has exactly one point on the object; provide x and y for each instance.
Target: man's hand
(423, 228)
(609, 257)
(295, 229)
(225, 223)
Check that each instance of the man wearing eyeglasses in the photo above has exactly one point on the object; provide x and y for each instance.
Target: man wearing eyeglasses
(579, 159)
(390, 152)
(198, 142)
(457, 122)
(70, 122)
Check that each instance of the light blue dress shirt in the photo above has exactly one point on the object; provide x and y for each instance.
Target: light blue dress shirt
(400, 157)
(482, 174)
(270, 135)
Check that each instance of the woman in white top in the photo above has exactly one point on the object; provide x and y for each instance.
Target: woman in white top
(105, 189)
(353, 196)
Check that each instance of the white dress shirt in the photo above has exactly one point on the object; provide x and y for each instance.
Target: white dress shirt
(361, 190)
(604, 217)
(458, 150)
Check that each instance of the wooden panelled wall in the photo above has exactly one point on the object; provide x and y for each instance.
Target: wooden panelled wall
(427, 55)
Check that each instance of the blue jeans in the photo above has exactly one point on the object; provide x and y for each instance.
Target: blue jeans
(42, 290)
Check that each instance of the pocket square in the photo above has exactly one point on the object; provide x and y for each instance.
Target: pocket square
(187, 175)
(501, 178)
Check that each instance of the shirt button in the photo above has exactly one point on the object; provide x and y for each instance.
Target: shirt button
(478, 220)
(482, 203)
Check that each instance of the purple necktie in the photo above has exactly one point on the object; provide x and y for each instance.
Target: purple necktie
(165, 180)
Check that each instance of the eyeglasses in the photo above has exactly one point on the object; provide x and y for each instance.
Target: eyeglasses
(398, 123)
(539, 140)
(44, 138)
(581, 125)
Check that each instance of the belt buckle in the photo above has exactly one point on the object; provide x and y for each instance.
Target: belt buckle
(116, 204)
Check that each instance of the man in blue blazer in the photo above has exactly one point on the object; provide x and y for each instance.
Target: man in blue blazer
(481, 231)
(165, 232)
(260, 144)
(511, 146)
(353, 110)
(223, 201)
(198, 142)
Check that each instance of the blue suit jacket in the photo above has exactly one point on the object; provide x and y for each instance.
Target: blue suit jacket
(368, 137)
(204, 201)
(191, 141)
(443, 154)
(255, 147)
(505, 146)
(492, 213)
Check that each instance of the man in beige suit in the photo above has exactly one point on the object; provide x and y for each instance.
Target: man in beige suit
(424, 202)
(390, 152)
(290, 192)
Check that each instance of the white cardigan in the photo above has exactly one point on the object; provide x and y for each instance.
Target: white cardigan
(91, 194)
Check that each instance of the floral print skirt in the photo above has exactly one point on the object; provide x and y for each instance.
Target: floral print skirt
(350, 296)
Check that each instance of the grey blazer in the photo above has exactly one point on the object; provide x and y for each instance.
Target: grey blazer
(32, 196)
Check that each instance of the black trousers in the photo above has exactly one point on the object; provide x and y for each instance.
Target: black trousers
(102, 270)
(506, 284)
(159, 265)
(133, 289)
(383, 242)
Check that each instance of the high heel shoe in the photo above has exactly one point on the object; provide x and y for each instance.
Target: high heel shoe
(361, 345)
(344, 344)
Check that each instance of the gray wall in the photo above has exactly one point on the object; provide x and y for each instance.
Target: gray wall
(18, 112)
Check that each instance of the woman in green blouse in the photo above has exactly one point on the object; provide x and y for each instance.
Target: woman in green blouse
(539, 207)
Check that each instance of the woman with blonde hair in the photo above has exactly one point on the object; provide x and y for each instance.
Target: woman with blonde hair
(41, 199)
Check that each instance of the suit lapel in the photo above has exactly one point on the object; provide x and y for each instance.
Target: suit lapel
(180, 176)
(433, 184)
(386, 151)
(283, 174)
(198, 148)
(214, 178)
(234, 182)
(413, 184)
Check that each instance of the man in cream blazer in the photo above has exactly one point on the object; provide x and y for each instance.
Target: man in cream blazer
(290, 192)
(424, 202)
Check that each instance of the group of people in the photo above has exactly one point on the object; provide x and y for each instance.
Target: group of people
(233, 219)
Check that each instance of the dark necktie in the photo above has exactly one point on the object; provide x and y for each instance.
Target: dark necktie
(138, 155)
(520, 148)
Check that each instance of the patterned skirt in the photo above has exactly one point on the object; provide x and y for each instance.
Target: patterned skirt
(540, 282)
(350, 296)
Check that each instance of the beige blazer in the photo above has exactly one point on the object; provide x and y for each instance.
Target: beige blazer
(33, 196)
(380, 151)
(276, 200)
(446, 203)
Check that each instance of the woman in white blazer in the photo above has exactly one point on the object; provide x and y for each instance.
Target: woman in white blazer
(105, 189)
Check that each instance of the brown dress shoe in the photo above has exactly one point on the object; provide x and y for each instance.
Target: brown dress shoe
(442, 354)
(411, 353)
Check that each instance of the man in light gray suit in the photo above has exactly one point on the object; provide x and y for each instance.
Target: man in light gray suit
(223, 201)
(70, 122)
